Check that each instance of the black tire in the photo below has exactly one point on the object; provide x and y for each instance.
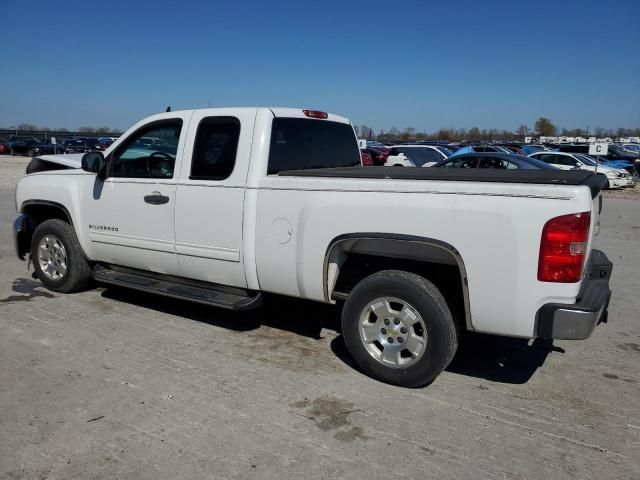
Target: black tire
(78, 270)
(428, 302)
(31, 153)
(607, 186)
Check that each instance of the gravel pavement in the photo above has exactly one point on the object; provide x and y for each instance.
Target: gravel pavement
(117, 384)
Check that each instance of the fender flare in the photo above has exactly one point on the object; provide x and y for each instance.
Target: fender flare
(431, 242)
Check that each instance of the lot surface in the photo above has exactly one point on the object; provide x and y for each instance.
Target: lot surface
(114, 384)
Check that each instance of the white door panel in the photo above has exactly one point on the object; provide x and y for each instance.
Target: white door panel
(209, 211)
(143, 237)
(209, 233)
(130, 216)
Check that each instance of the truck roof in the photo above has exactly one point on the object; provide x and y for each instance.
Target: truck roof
(276, 111)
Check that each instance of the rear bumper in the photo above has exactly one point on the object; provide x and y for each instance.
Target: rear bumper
(577, 321)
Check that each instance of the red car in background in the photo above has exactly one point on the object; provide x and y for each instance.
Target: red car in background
(367, 161)
(4, 146)
(378, 155)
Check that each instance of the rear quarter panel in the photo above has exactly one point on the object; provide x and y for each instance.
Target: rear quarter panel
(495, 227)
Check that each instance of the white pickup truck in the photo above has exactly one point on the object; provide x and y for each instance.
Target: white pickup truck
(229, 203)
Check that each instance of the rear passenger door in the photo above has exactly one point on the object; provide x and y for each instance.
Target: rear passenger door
(210, 196)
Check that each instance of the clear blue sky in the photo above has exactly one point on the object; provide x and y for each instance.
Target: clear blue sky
(421, 64)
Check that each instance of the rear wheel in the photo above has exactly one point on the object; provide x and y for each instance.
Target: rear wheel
(58, 258)
(398, 328)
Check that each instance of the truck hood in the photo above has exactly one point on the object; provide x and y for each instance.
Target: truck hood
(71, 160)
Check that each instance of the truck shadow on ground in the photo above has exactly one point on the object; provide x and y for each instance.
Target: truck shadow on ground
(493, 358)
(284, 313)
(28, 290)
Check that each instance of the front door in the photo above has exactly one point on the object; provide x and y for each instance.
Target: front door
(130, 215)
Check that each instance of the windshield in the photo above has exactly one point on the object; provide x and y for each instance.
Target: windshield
(617, 150)
(420, 155)
(446, 151)
(586, 159)
(535, 163)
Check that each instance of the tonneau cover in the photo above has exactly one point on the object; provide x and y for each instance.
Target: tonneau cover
(545, 177)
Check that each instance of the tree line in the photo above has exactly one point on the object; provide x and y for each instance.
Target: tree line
(30, 127)
(542, 127)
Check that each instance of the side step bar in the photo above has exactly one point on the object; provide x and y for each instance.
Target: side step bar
(207, 294)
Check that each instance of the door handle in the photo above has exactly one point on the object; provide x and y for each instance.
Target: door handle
(156, 198)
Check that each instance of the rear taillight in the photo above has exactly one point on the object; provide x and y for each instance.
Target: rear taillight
(563, 248)
(315, 114)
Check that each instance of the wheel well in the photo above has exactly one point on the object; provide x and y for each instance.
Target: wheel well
(38, 213)
(351, 260)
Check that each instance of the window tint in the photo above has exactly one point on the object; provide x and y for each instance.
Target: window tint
(466, 162)
(298, 143)
(149, 153)
(214, 153)
(547, 158)
(493, 163)
(566, 160)
(421, 155)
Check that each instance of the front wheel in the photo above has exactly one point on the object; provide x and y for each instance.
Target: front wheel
(58, 258)
(398, 328)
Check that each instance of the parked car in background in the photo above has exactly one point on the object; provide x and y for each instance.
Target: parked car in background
(23, 146)
(529, 149)
(367, 161)
(74, 145)
(481, 149)
(414, 156)
(4, 146)
(502, 161)
(378, 155)
(91, 143)
(616, 157)
(616, 178)
(512, 147)
(632, 148)
(31, 147)
(104, 143)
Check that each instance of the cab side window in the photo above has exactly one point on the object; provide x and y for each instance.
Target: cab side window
(546, 158)
(467, 162)
(216, 145)
(148, 153)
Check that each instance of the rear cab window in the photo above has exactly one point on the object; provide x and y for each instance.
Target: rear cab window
(302, 144)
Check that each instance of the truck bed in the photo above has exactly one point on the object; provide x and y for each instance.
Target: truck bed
(595, 182)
